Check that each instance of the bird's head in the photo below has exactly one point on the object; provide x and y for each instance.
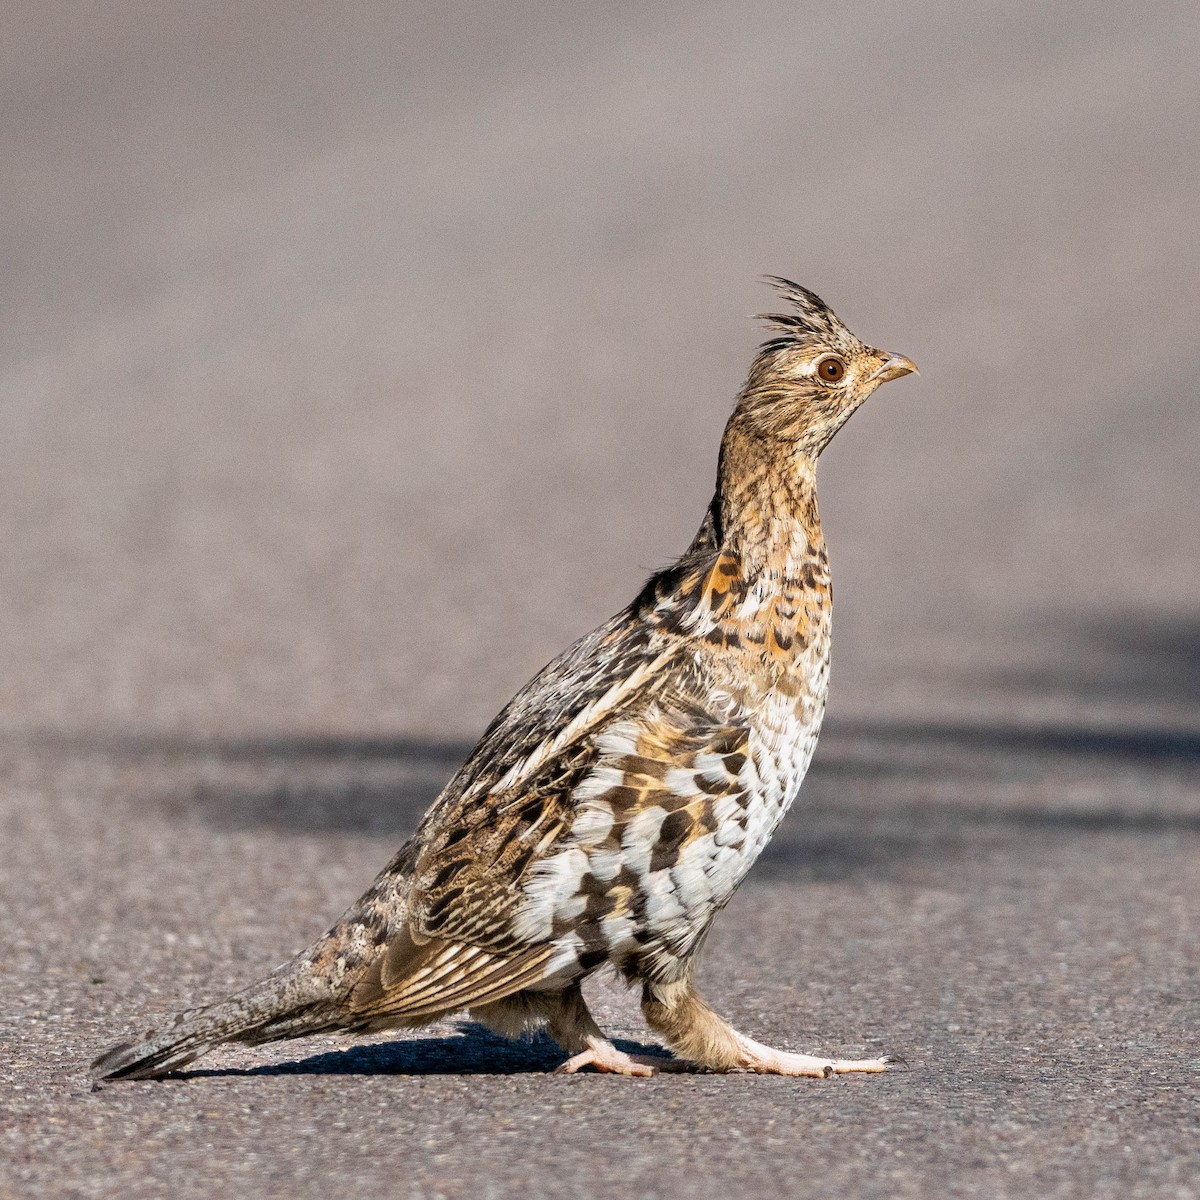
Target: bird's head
(809, 377)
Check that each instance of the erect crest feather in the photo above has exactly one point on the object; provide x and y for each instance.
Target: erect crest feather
(812, 321)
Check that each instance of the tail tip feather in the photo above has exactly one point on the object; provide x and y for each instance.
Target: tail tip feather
(138, 1060)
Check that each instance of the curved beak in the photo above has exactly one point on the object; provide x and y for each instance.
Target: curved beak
(893, 367)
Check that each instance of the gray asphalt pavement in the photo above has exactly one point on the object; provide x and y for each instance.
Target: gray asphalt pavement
(354, 358)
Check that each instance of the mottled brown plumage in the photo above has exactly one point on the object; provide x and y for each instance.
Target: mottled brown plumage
(612, 808)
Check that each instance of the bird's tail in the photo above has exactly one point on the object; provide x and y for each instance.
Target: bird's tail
(291, 1002)
(304, 996)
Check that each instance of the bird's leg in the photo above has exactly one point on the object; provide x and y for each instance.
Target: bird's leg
(695, 1032)
(572, 1027)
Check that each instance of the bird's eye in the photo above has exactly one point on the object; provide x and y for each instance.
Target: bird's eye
(831, 369)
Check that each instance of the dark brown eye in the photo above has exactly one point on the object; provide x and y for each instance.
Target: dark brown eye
(831, 369)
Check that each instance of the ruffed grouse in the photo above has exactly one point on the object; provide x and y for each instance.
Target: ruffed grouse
(612, 808)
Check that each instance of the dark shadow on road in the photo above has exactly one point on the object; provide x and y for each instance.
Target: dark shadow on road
(831, 841)
(473, 1051)
(381, 786)
(1139, 747)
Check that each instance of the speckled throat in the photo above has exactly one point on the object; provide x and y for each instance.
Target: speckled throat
(755, 584)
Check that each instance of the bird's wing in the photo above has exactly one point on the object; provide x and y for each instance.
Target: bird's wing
(511, 799)
(628, 844)
(508, 805)
(418, 977)
(475, 870)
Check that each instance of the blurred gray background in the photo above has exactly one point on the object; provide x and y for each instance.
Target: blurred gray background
(354, 358)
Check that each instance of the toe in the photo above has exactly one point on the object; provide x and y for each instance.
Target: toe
(867, 1066)
(615, 1063)
(574, 1064)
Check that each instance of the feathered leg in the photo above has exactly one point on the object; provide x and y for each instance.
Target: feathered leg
(695, 1032)
(570, 1024)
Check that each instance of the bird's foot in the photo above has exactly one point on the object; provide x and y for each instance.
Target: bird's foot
(765, 1061)
(605, 1057)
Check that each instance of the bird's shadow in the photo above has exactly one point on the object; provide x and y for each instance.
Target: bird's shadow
(474, 1050)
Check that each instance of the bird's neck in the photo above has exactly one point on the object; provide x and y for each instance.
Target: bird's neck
(765, 509)
(756, 578)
